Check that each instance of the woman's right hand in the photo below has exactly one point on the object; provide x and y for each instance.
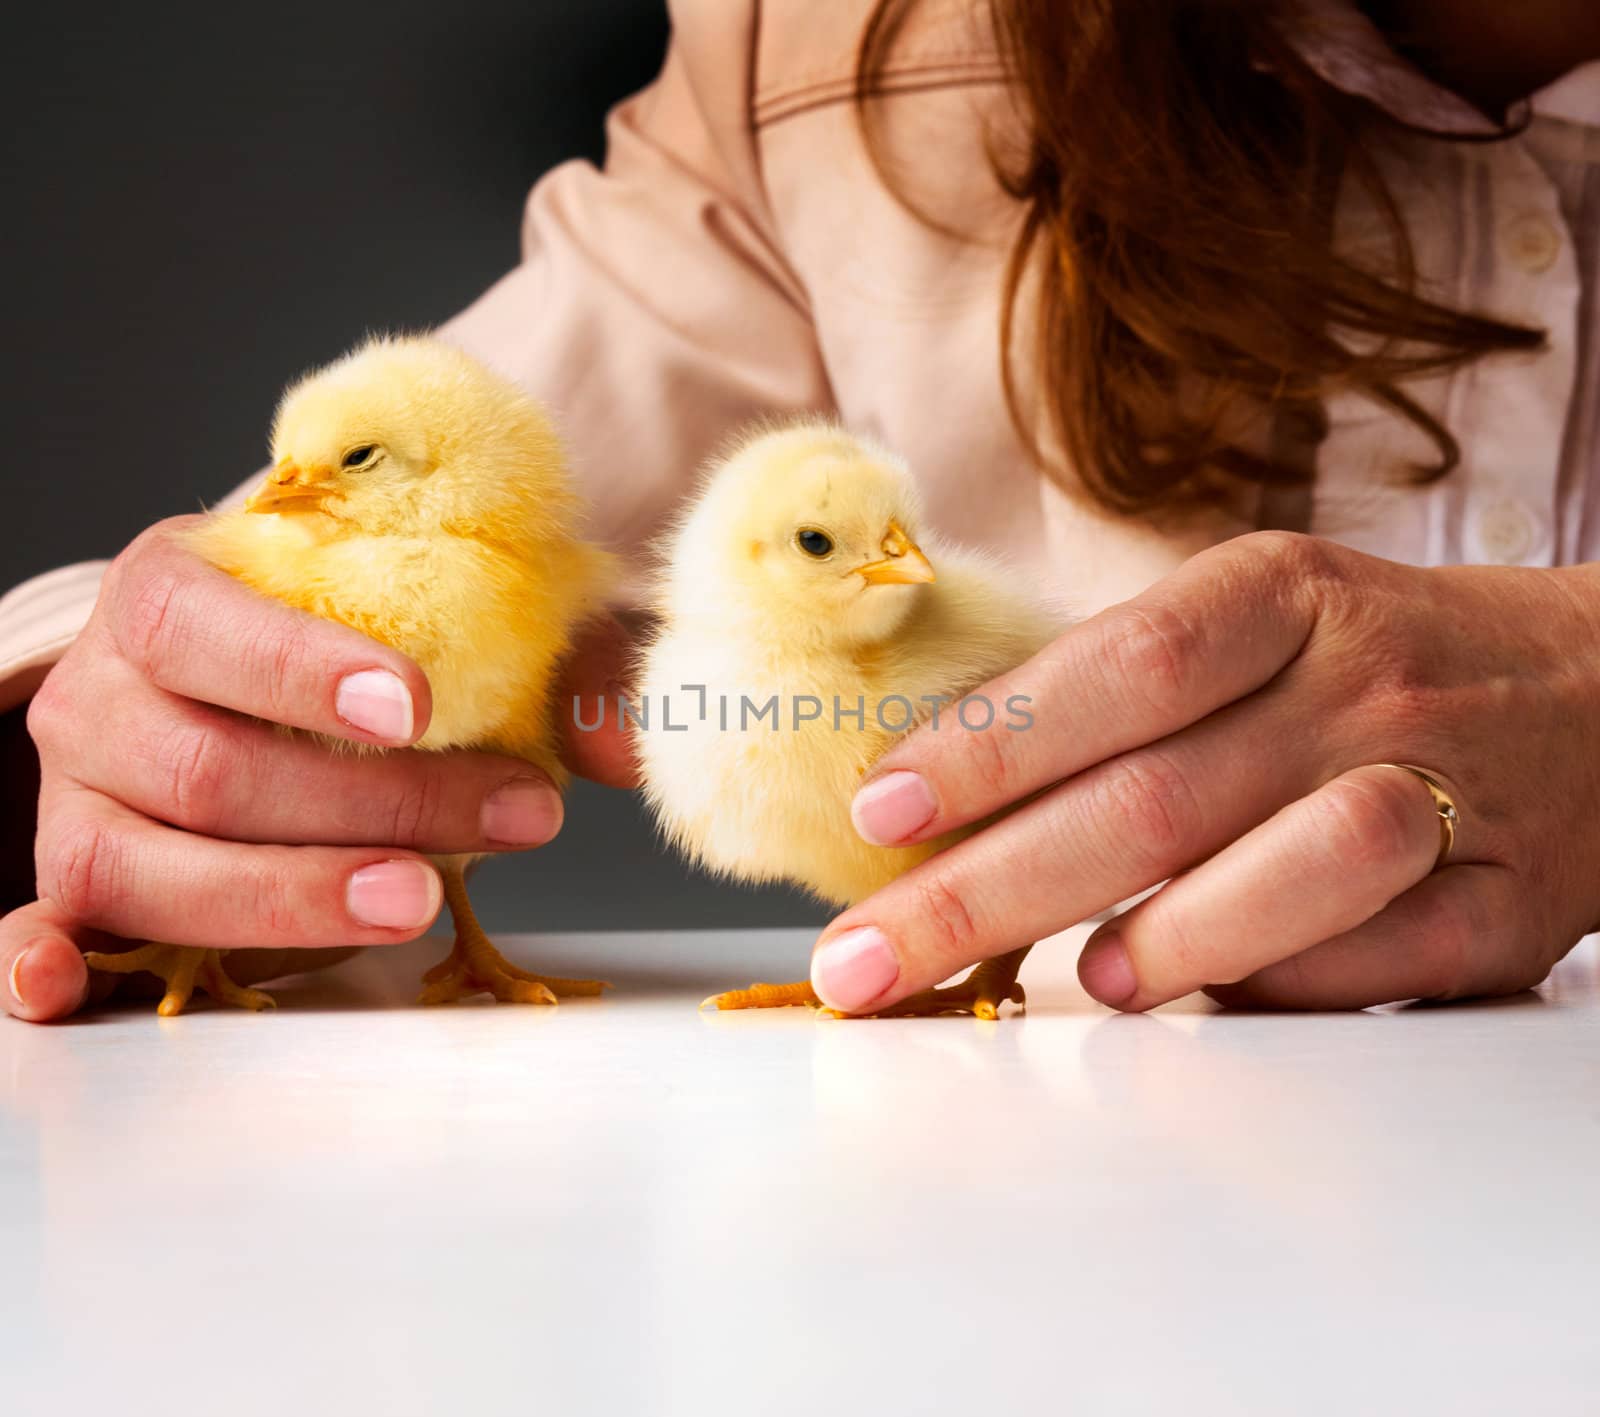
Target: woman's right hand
(172, 809)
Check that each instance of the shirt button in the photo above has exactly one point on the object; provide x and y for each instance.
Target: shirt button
(1533, 243)
(1506, 531)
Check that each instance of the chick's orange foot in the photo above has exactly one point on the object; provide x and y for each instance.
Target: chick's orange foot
(476, 967)
(990, 984)
(765, 996)
(181, 969)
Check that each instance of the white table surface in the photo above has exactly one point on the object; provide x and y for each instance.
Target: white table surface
(624, 1206)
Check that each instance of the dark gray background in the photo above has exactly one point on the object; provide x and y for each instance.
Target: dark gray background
(203, 200)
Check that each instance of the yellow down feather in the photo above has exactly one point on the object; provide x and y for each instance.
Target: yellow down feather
(456, 540)
(746, 613)
(421, 499)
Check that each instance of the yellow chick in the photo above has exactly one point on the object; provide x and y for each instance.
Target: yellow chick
(806, 621)
(424, 501)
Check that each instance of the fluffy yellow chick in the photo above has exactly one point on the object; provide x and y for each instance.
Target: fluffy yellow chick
(425, 501)
(806, 621)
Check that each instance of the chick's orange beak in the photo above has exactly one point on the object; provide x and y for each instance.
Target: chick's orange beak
(903, 562)
(289, 486)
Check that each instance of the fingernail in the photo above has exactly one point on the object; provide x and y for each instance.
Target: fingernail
(376, 702)
(15, 979)
(853, 969)
(1105, 971)
(525, 812)
(398, 895)
(892, 808)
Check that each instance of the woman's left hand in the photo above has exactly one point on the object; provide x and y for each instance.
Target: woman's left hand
(1224, 732)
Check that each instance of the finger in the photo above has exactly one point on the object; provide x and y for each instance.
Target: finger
(1218, 628)
(110, 868)
(1320, 867)
(42, 973)
(1463, 932)
(198, 632)
(223, 775)
(1101, 837)
(593, 742)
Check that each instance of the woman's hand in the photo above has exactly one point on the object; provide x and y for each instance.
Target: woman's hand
(171, 809)
(1221, 732)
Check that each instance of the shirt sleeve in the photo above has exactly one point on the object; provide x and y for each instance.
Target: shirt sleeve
(653, 313)
(38, 620)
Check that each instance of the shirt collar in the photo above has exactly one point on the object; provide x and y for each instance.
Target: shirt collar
(1342, 45)
(1348, 50)
(1574, 97)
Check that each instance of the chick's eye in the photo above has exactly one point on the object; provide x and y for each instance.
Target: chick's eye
(356, 457)
(814, 542)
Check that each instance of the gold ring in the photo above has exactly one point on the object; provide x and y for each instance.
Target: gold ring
(1442, 804)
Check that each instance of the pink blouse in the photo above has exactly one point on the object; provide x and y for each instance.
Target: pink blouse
(738, 256)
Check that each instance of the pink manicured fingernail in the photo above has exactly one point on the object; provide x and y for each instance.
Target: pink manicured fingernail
(376, 702)
(398, 895)
(892, 808)
(1105, 971)
(853, 969)
(525, 812)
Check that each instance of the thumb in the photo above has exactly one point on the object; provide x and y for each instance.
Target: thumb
(42, 973)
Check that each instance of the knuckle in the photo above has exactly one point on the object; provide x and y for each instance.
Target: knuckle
(81, 870)
(1294, 557)
(1154, 657)
(416, 810)
(48, 712)
(1154, 812)
(951, 929)
(1402, 689)
(126, 563)
(275, 645)
(273, 903)
(1407, 711)
(1370, 821)
(1442, 928)
(195, 765)
(990, 766)
(146, 626)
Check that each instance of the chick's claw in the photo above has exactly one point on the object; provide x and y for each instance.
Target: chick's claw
(456, 977)
(475, 966)
(990, 984)
(962, 998)
(181, 969)
(481, 969)
(764, 996)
